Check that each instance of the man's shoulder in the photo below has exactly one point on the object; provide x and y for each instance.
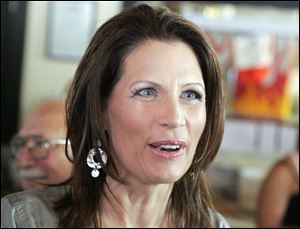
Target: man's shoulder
(33, 208)
(45, 194)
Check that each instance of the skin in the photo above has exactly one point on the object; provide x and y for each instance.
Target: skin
(48, 121)
(160, 96)
(278, 187)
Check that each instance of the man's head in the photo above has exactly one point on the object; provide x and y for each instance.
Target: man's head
(39, 147)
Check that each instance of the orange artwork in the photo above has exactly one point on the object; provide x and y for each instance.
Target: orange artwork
(262, 89)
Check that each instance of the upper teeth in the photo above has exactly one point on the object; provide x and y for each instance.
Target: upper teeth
(169, 146)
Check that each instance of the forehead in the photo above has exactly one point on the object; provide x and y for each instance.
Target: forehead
(159, 58)
(44, 122)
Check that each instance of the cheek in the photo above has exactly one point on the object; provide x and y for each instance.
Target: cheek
(197, 121)
(129, 126)
(196, 127)
(125, 126)
(128, 120)
(56, 161)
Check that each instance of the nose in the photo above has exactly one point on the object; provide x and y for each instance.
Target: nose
(24, 158)
(171, 114)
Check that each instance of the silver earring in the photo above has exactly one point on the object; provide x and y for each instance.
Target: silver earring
(96, 165)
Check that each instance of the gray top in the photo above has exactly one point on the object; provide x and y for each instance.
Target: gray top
(31, 209)
(34, 209)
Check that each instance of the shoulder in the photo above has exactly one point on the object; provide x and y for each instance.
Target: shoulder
(32, 208)
(280, 174)
(217, 220)
(294, 160)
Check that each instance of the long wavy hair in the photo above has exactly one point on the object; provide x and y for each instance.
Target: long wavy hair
(98, 72)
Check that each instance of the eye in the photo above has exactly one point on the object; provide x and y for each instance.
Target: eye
(145, 92)
(39, 140)
(191, 95)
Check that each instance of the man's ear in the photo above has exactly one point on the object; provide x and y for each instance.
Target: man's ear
(70, 154)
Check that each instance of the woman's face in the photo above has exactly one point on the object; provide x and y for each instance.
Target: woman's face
(156, 112)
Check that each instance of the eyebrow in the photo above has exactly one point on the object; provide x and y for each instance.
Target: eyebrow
(201, 84)
(196, 83)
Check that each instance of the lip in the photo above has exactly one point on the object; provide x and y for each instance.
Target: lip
(182, 144)
(168, 155)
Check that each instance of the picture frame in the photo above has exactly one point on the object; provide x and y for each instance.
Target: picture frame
(70, 27)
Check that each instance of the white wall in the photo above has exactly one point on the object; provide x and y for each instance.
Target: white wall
(42, 76)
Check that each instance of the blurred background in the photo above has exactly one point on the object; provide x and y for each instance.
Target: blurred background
(258, 46)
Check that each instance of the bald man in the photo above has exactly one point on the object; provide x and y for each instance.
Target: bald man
(39, 147)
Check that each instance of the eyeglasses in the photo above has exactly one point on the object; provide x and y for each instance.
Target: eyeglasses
(37, 145)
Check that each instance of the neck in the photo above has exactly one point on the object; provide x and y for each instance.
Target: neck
(135, 205)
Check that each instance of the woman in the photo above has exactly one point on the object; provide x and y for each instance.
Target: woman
(145, 118)
(278, 202)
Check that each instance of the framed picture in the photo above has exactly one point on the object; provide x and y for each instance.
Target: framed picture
(70, 27)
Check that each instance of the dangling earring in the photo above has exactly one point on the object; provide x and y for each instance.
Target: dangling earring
(192, 174)
(91, 162)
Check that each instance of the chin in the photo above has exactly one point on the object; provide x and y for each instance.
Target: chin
(167, 178)
(27, 185)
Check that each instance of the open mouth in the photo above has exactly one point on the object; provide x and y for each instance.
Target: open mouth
(168, 149)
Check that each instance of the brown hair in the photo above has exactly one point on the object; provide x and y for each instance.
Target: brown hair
(95, 78)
